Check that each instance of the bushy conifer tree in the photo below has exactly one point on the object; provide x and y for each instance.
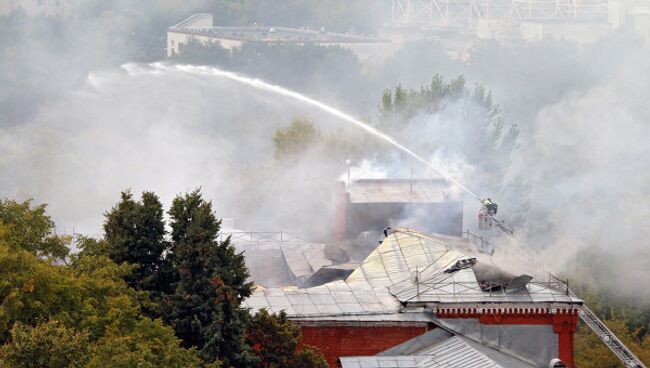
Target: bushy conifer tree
(205, 308)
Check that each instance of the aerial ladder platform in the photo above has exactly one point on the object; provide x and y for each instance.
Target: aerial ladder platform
(486, 221)
(608, 338)
(622, 352)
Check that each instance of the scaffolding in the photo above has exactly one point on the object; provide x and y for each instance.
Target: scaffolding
(464, 14)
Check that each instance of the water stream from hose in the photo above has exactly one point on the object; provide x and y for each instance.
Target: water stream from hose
(263, 86)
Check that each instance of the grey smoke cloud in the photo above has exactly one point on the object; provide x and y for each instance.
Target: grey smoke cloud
(576, 188)
(167, 132)
(588, 160)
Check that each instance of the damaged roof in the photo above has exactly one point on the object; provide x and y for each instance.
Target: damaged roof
(408, 270)
(401, 191)
(275, 259)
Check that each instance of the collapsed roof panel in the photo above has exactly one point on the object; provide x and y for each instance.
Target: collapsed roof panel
(275, 262)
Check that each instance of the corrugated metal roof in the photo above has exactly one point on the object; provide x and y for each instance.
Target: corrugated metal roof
(403, 253)
(334, 298)
(418, 343)
(498, 356)
(455, 351)
(401, 191)
(388, 276)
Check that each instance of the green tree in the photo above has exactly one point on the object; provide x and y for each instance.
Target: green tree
(298, 137)
(145, 344)
(135, 233)
(47, 345)
(205, 308)
(590, 352)
(275, 341)
(33, 290)
(89, 296)
(454, 119)
(28, 227)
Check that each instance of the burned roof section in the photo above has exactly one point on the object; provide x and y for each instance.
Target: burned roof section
(405, 273)
(401, 191)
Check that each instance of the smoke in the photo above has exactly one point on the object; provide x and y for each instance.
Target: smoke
(587, 163)
(76, 128)
(166, 132)
(575, 187)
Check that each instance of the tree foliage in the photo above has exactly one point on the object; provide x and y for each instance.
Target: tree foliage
(403, 104)
(135, 234)
(90, 311)
(452, 119)
(627, 319)
(591, 352)
(28, 227)
(46, 345)
(60, 304)
(483, 127)
(205, 308)
(276, 342)
(146, 343)
(299, 136)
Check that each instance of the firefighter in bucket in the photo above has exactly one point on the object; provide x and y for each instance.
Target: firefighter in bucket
(486, 214)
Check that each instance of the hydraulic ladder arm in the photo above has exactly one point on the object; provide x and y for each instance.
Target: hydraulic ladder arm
(608, 338)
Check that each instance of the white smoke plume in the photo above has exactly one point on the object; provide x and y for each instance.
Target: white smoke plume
(576, 188)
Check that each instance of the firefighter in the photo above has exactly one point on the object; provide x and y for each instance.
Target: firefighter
(490, 207)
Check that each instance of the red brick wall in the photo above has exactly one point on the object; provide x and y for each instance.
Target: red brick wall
(337, 341)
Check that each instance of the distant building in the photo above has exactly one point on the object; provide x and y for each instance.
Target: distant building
(36, 7)
(581, 21)
(200, 28)
(430, 301)
(636, 15)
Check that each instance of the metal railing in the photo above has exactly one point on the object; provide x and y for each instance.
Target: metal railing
(482, 245)
(555, 288)
(262, 236)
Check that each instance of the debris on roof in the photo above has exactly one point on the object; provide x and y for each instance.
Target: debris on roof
(407, 270)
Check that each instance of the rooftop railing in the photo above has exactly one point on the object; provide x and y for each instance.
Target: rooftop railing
(262, 236)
